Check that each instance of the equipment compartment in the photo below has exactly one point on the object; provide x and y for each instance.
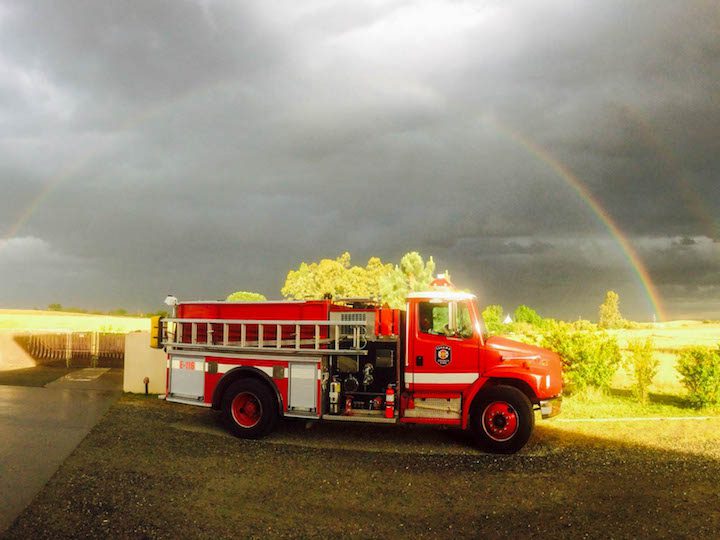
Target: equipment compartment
(358, 385)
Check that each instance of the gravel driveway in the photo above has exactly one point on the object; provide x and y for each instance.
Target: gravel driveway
(160, 470)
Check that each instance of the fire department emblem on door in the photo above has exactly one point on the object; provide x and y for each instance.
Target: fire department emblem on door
(443, 355)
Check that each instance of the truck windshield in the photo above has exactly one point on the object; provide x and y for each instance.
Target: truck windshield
(464, 322)
(445, 319)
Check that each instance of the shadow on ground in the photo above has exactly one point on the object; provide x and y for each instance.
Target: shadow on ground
(661, 399)
(163, 470)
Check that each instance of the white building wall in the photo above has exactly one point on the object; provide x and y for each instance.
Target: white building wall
(142, 361)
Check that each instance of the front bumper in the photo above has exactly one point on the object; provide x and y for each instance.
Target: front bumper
(550, 407)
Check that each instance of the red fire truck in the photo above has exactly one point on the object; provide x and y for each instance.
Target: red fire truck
(356, 361)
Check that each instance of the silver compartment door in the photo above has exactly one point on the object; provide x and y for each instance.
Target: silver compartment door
(303, 387)
(187, 377)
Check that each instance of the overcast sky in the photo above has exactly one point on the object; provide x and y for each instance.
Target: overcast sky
(201, 147)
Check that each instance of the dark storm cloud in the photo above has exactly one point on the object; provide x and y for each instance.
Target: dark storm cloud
(201, 147)
(139, 52)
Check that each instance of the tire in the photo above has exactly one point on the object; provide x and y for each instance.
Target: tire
(249, 409)
(502, 419)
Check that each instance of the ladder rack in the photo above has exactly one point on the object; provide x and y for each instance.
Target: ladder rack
(269, 336)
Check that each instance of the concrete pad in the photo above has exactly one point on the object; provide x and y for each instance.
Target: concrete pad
(39, 428)
(79, 379)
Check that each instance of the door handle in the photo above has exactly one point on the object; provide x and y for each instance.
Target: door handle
(419, 360)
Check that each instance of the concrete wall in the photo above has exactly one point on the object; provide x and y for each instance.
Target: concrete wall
(12, 355)
(141, 361)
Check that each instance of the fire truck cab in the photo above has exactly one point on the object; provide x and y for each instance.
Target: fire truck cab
(356, 361)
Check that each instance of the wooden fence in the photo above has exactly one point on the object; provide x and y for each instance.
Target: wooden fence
(75, 349)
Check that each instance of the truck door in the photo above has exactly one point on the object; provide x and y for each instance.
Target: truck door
(444, 348)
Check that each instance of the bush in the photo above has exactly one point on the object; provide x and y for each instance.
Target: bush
(631, 325)
(699, 369)
(643, 367)
(590, 359)
(246, 296)
(583, 325)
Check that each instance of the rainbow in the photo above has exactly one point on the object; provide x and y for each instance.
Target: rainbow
(78, 164)
(29, 210)
(564, 172)
(538, 152)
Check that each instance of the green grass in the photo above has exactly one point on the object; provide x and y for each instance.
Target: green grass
(620, 403)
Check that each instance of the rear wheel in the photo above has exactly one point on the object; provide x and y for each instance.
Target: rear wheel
(249, 409)
(502, 419)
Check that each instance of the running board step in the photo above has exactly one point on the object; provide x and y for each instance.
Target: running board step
(187, 401)
(360, 418)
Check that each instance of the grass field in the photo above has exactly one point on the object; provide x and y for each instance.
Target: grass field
(673, 335)
(160, 470)
(37, 320)
(669, 338)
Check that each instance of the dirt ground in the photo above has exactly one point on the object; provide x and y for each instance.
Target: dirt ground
(159, 470)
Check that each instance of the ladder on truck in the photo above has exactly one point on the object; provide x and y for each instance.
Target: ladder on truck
(271, 336)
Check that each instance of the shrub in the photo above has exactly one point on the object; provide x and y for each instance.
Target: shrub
(631, 325)
(590, 359)
(699, 369)
(643, 366)
(583, 325)
(246, 296)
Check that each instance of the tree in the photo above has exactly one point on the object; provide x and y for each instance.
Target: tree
(55, 307)
(525, 314)
(375, 272)
(609, 313)
(246, 296)
(411, 275)
(337, 278)
(377, 280)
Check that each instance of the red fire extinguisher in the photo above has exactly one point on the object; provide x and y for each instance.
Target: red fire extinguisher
(389, 402)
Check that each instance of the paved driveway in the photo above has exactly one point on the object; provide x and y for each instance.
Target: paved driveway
(40, 427)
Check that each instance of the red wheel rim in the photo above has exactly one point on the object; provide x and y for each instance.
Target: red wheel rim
(500, 421)
(246, 410)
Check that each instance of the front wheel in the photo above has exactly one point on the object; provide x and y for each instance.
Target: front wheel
(502, 419)
(249, 409)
